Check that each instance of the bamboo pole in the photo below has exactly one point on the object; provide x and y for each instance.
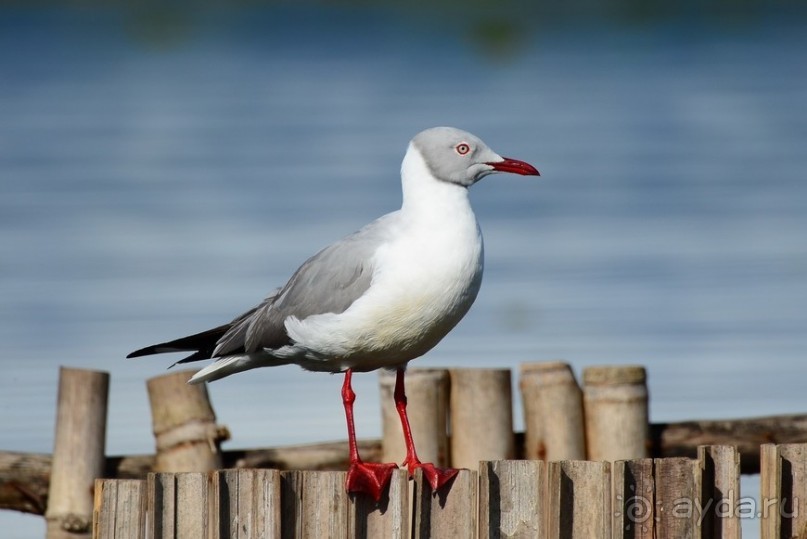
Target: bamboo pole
(314, 505)
(678, 488)
(579, 499)
(481, 417)
(78, 451)
(634, 488)
(770, 491)
(388, 518)
(616, 417)
(179, 505)
(184, 425)
(449, 512)
(783, 491)
(553, 412)
(530, 384)
(511, 499)
(427, 408)
(793, 510)
(720, 491)
(247, 503)
(120, 509)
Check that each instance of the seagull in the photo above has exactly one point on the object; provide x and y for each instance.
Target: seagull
(378, 298)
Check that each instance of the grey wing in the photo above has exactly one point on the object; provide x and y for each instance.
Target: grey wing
(328, 282)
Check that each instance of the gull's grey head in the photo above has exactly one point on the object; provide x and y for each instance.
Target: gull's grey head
(456, 156)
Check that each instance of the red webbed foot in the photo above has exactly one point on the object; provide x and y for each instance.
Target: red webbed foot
(437, 477)
(369, 478)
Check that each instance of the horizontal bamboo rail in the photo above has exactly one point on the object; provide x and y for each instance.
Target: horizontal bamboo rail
(678, 498)
(24, 476)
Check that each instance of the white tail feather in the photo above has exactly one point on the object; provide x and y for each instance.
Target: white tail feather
(223, 367)
(226, 366)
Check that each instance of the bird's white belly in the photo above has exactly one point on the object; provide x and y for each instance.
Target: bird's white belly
(425, 285)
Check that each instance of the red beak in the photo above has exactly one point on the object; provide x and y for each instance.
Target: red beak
(515, 166)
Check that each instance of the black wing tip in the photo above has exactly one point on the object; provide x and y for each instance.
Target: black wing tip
(140, 353)
(201, 344)
(158, 349)
(153, 349)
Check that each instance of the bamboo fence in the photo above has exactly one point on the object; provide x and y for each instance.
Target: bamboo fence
(588, 465)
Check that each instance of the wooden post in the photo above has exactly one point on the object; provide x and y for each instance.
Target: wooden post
(579, 499)
(720, 491)
(481, 416)
(783, 489)
(120, 509)
(184, 424)
(449, 512)
(793, 500)
(179, 505)
(427, 408)
(511, 498)
(677, 508)
(248, 503)
(770, 491)
(615, 401)
(78, 451)
(314, 505)
(553, 412)
(387, 518)
(634, 498)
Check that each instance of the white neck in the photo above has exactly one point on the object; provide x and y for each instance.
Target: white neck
(423, 193)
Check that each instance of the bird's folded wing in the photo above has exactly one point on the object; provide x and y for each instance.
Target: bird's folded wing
(328, 282)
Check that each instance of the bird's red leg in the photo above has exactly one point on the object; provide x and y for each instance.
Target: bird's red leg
(365, 477)
(437, 477)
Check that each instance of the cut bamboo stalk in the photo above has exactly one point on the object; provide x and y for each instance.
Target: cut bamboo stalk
(579, 499)
(387, 518)
(481, 417)
(634, 499)
(193, 516)
(530, 384)
(616, 417)
(677, 508)
(511, 499)
(449, 512)
(720, 491)
(120, 509)
(314, 505)
(770, 490)
(78, 451)
(179, 505)
(427, 408)
(794, 489)
(248, 503)
(553, 412)
(184, 425)
(161, 507)
(783, 491)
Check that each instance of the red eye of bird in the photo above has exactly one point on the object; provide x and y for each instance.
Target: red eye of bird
(462, 148)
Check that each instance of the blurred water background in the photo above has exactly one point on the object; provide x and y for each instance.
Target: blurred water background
(161, 168)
